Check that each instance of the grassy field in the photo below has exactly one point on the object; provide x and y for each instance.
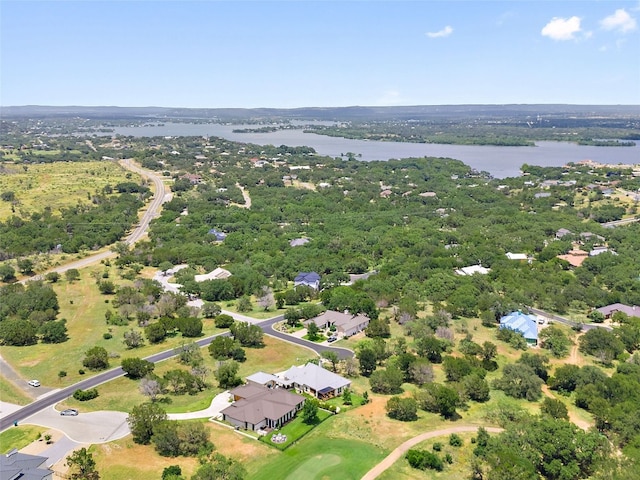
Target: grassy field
(122, 393)
(459, 469)
(10, 393)
(57, 185)
(84, 307)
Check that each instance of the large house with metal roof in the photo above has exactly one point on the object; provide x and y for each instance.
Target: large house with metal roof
(523, 323)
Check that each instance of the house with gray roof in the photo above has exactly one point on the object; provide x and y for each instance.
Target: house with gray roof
(263, 379)
(256, 407)
(346, 324)
(609, 310)
(15, 465)
(313, 380)
(310, 279)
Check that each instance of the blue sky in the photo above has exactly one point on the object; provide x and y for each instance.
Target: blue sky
(290, 54)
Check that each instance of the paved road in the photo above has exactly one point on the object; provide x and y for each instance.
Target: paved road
(57, 396)
(267, 326)
(585, 326)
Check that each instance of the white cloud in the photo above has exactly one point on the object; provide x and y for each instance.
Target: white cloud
(562, 28)
(445, 32)
(620, 21)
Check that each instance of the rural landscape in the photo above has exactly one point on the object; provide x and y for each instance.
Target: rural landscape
(194, 307)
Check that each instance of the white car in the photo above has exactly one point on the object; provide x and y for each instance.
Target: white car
(34, 383)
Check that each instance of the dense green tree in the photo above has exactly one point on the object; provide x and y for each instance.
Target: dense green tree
(602, 344)
(220, 468)
(403, 409)
(554, 408)
(136, 368)
(155, 332)
(227, 374)
(554, 339)
(83, 466)
(142, 420)
(247, 335)
(18, 332)
(310, 411)
(520, 381)
(223, 320)
(367, 360)
(96, 358)
(7, 273)
(388, 380)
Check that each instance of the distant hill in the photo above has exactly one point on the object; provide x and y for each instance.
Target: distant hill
(418, 112)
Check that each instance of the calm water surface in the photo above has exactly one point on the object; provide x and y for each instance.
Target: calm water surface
(499, 161)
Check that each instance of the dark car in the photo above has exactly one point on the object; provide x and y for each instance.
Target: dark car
(69, 412)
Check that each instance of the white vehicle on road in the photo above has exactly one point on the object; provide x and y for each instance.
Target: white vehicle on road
(34, 383)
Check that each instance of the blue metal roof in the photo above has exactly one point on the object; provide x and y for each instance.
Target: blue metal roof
(521, 322)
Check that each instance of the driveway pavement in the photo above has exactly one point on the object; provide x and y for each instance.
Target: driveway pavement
(88, 427)
(219, 403)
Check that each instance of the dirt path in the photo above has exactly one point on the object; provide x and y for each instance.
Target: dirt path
(402, 449)
(572, 417)
(245, 195)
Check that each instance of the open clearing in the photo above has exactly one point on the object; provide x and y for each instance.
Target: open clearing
(57, 185)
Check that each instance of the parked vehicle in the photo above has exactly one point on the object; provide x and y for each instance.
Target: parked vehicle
(34, 383)
(332, 339)
(69, 412)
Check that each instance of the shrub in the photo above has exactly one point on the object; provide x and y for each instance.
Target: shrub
(455, 440)
(437, 447)
(81, 372)
(421, 459)
(84, 395)
(107, 336)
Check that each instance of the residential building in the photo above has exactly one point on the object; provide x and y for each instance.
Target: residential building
(257, 407)
(473, 269)
(346, 324)
(523, 323)
(15, 465)
(310, 279)
(220, 236)
(313, 380)
(609, 310)
(216, 274)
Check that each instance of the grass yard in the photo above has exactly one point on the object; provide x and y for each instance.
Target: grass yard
(57, 185)
(295, 430)
(318, 457)
(19, 437)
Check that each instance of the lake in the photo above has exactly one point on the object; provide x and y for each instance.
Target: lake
(501, 162)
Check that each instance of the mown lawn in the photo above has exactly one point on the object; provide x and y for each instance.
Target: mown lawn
(295, 430)
(318, 456)
(19, 437)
